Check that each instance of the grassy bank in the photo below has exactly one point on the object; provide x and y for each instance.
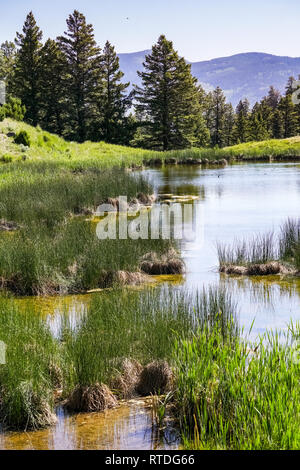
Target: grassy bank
(50, 148)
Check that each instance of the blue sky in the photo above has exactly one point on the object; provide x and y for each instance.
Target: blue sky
(200, 29)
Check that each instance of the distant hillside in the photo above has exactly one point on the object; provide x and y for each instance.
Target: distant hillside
(241, 75)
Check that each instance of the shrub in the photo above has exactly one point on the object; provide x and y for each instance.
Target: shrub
(22, 138)
(14, 109)
(6, 158)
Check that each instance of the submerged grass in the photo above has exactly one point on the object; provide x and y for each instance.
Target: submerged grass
(232, 395)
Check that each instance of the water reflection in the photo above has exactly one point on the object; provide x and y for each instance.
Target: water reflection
(129, 426)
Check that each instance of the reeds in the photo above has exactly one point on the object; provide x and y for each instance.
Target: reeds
(26, 381)
(263, 254)
(260, 249)
(234, 395)
(140, 326)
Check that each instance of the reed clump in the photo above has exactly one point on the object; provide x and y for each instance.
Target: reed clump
(144, 326)
(155, 379)
(26, 386)
(264, 254)
(231, 394)
(124, 382)
(168, 263)
(91, 399)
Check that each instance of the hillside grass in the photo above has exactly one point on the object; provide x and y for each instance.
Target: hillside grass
(50, 148)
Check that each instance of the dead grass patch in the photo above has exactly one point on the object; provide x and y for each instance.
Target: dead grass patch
(155, 378)
(170, 263)
(90, 399)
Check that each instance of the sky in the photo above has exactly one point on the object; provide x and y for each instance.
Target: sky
(199, 29)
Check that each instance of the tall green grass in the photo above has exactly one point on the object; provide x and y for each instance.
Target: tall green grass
(26, 383)
(289, 241)
(138, 325)
(67, 259)
(264, 248)
(232, 395)
(260, 249)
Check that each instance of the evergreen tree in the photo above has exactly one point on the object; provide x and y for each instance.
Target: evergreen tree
(7, 60)
(289, 116)
(218, 110)
(83, 59)
(25, 82)
(242, 124)
(273, 98)
(277, 125)
(53, 82)
(258, 126)
(167, 101)
(14, 109)
(229, 122)
(113, 101)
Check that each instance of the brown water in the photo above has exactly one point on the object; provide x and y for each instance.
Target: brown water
(130, 426)
(232, 202)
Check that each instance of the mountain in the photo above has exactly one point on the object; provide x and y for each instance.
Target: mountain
(246, 75)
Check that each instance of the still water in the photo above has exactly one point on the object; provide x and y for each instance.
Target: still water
(237, 202)
(234, 202)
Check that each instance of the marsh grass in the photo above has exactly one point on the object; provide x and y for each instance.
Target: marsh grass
(68, 259)
(55, 249)
(26, 383)
(289, 241)
(259, 249)
(233, 395)
(141, 326)
(264, 249)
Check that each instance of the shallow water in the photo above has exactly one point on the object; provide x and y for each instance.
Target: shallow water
(233, 202)
(129, 426)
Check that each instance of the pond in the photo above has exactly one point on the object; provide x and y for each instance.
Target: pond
(234, 202)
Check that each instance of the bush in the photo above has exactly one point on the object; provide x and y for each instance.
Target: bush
(14, 109)
(22, 138)
(6, 158)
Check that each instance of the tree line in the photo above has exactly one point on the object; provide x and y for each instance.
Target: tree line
(72, 87)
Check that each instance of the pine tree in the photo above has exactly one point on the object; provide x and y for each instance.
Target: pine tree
(289, 116)
(273, 98)
(53, 79)
(25, 82)
(258, 126)
(83, 59)
(242, 123)
(218, 110)
(277, 125)
(229, 121)
(167, 101)
(112, 100)
(7, 60)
